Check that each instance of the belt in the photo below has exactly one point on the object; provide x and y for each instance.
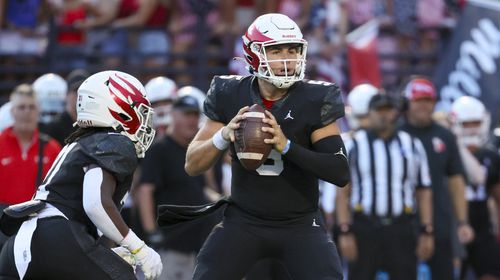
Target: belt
(384, 221)
(22, 242)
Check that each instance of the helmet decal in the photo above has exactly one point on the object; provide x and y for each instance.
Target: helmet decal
(132, 122)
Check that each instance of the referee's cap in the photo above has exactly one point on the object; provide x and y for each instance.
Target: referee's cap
(420, 88)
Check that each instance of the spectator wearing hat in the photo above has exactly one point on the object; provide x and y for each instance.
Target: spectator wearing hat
(62, 126)
(164, 181)
(390, 183)
(446, 172)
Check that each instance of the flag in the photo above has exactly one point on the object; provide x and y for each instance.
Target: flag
(362, 55)
(470, 64)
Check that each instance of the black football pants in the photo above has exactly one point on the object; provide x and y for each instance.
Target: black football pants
(235, 245)
(62, 249)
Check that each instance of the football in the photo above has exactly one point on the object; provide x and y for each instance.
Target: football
(249, 143)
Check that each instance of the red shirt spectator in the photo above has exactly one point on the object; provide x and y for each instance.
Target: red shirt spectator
(18, 169)
(19, 149)
(67, 19)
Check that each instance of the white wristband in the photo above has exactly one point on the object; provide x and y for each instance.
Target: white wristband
(287, 147)
(133, 243)
(219, 142)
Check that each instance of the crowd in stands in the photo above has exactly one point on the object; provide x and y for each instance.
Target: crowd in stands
(192, 40)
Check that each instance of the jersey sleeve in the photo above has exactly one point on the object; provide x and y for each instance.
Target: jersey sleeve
(213, 106)
(332, 106)
(116, 154)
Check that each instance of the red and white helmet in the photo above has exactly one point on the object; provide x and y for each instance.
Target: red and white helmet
(268, 30)
(161, 89)
(469, 109)
(50, 91)
(118, 100)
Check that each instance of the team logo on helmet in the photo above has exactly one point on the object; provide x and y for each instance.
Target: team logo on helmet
(131, 121)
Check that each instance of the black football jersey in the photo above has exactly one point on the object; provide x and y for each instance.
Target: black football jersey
(477, 195)
(63, 184)
(278, 189)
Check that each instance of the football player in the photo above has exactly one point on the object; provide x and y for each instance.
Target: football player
(274, 210)
(80, 198)
(471, 122)
(50, 90)
(161, 91)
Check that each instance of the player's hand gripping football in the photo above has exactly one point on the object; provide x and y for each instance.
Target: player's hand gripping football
(228, 130)
(279, 139)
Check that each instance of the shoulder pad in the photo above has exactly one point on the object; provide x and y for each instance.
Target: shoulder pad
(113, 152)
(330, 99)
(220, 86)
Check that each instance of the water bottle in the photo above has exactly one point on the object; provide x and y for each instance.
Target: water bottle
(381, 275)
(423, 271)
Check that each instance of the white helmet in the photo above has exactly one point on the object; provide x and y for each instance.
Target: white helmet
(118, 100)
(161, 89)
(359, 98)
(6, 119)
(50, 91)
(268, 30)
(469, 109)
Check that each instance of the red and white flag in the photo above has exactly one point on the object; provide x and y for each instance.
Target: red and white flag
(362, 55)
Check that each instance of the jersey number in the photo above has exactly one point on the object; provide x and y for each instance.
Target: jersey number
(273, 166)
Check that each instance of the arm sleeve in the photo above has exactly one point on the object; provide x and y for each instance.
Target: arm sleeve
(327, 160)
(423, 175)
(93, 204)
(332, 106)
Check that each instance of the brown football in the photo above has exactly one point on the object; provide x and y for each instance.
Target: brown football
(249, 143)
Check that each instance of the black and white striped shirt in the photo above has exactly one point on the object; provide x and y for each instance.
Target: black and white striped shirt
(385, 173)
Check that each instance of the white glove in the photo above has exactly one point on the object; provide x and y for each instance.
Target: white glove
(125, 254)
(147, 258)
(150, 262)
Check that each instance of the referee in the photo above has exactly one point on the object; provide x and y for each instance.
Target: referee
(389, 170)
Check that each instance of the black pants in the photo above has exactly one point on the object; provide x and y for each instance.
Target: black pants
(483, 255)
(62, 249)
(441, 262)
(240, 241)
(388, 247)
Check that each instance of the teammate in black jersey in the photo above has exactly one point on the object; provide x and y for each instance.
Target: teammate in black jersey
(82, 193)
(274, 210)
(471, 122)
